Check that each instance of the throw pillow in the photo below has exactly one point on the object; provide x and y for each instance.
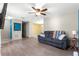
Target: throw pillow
(42, 35)
(61, 36)
(58, 33)
(54, 34)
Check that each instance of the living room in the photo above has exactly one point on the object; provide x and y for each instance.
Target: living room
(61, 17)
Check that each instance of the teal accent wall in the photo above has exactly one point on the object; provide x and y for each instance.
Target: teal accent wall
(11, 29)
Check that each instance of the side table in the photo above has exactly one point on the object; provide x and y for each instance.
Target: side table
(73, 43)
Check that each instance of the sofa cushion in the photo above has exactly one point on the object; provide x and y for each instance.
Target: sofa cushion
(55, 41)
(48, 34)
(48, 39)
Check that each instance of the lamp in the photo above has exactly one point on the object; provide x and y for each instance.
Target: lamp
(74, 34)
(75, 53)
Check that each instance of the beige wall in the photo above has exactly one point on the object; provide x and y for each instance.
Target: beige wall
(66, 22)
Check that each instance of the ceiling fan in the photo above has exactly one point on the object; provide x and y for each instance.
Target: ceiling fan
(39, 11)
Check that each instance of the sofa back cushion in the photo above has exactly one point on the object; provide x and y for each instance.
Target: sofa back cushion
(48, 34)
(53, 34)
(58, 33)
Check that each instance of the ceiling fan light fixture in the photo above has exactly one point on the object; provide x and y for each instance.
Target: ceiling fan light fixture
(38, 13)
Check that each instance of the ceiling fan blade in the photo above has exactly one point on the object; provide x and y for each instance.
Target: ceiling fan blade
(34, 8)
(44, 10)
(42, 13)
(37, 10)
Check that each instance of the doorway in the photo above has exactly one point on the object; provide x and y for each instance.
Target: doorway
(37, 29)
(24, 29)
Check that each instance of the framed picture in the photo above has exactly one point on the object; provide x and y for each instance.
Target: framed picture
(17, 26)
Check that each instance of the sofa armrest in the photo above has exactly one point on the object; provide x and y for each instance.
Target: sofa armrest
(40, 38)
(65, 42)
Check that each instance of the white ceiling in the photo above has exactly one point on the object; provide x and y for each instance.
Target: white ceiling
(62, 8)
(18, 9)
(21, 9)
